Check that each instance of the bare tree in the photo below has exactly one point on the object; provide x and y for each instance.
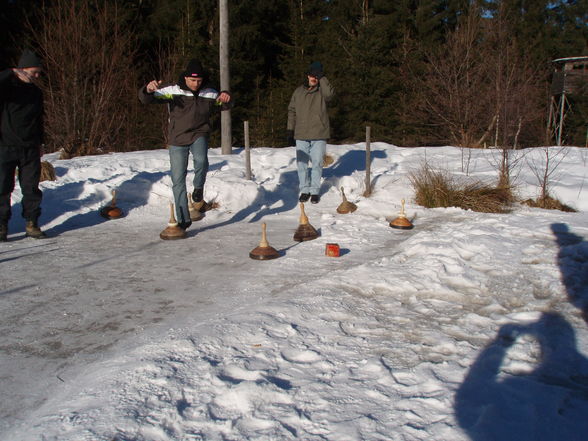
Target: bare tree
(90, 88)
(480, 83)
(518, 86)
(545, 169)
(455, 86)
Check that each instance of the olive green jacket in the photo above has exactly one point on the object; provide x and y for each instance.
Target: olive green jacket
(307, 111)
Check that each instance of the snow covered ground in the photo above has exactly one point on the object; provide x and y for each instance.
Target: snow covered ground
(468, 327)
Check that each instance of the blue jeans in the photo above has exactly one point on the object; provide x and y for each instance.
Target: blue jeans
(313, 150)
(178, 158)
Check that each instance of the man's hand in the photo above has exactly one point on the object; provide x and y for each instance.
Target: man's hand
(22, 75)
(153, 86)
(224, 98)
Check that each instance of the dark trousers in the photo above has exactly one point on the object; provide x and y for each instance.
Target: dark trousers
(28, 162)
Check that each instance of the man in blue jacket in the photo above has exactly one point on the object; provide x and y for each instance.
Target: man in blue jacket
(21, 138)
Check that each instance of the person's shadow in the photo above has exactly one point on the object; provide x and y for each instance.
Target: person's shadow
(549, 403)
(279, 200)
(346, 165)
(572, 259)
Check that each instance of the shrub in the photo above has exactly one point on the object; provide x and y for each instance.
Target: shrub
(549, 203)
(440, 189)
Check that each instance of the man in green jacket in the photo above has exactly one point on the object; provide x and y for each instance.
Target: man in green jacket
(308, 125)
(190, 103)
(21, 138)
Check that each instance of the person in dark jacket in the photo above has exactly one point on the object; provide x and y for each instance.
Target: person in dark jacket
(190, 103)
(21, 138)
(308, 127)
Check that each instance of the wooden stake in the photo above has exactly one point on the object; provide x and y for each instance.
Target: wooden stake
(247, 151)
(368, 162)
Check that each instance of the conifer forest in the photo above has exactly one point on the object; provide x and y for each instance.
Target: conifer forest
(468, 73)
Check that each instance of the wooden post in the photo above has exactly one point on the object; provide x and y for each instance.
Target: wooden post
(226, 137)
(247, 151)
(368, 163)
(562, 101)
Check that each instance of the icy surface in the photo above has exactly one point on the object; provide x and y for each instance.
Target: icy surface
(468, 327)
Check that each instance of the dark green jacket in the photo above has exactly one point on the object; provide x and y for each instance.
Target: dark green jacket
(307, 111)
(21, 112)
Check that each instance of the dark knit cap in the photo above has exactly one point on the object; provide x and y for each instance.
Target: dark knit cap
(29, 59)
(194, 69)
(315, 69)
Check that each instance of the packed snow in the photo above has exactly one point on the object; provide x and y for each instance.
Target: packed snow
(469, 326)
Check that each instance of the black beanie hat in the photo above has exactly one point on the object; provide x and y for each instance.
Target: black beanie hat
(29, 59)
(315, 69)
(194, 69)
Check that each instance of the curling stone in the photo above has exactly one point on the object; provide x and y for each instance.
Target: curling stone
(195, 209)
(401, 222)
(346, 206)
(327, 160)
(264, 251)
(173, 230)
(111, 211)
(305, 231)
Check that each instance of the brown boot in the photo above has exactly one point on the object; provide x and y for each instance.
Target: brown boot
(33, 230)
(3, 232)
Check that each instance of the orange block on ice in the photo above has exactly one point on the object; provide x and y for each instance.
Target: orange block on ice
(332, 250)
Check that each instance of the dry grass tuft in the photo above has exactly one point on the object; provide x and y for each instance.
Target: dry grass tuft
(47, 171)
(440, 189)
(549, 203)
(210, 205)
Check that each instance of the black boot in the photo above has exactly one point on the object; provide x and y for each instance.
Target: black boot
(33, 230)
(304, 197)
(3, 232)
(185, 225)
(198, 195)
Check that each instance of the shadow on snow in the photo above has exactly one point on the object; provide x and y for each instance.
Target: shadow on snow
(550, 402)
(572, 259)
(546, 404)
(285, 197)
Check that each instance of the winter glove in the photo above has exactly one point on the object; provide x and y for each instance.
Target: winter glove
(290, 138)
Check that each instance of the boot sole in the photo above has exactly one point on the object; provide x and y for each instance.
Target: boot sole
(44, 236)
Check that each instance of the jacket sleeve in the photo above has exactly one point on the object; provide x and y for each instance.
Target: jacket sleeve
(292, 113)
(42, 134)
(326, 89)
(149, 98)
(144, 97)
(5, 76)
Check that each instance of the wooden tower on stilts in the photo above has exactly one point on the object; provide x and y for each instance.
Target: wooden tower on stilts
(569, 75)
